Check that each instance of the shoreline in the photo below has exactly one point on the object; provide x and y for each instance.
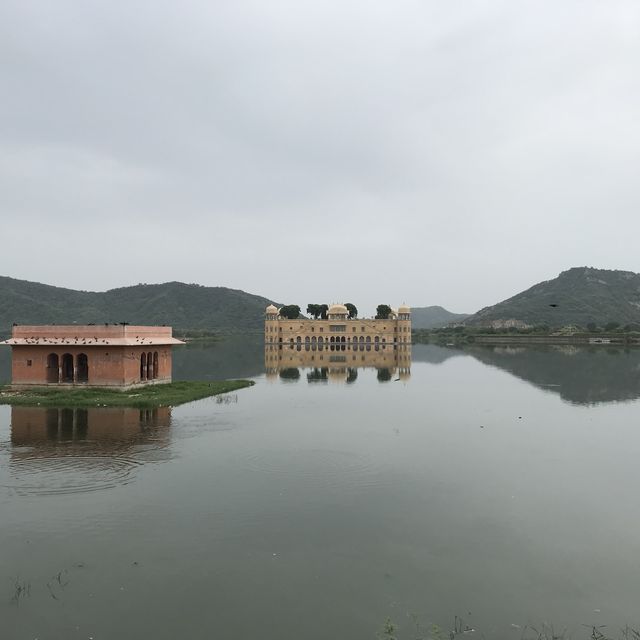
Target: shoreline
(577, 340)
(157, 395)
(589, 340)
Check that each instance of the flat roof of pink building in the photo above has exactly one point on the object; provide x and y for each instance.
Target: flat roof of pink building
(91, 334)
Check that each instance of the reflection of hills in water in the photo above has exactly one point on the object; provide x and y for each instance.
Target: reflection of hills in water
(338, 364)
(232, 357)
(433, 353)
(76, 450)
(581, 375)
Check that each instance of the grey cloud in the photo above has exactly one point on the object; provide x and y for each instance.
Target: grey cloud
(431, 152)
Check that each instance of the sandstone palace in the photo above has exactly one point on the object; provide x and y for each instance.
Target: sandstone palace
(338, 331)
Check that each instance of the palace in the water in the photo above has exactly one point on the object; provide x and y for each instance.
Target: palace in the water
(338, 331)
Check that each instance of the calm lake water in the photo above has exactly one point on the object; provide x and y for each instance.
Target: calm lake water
(498, 485)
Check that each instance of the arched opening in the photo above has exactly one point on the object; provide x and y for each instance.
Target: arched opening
(53, 372)
(149, 366)
(143, 366)
(83, 368)
(67, 368)
(155, 365)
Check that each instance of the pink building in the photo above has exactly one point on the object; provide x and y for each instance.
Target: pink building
(109, 355)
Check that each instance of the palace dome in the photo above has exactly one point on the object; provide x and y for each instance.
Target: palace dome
(403, 308)
(337, 310)
(272, 309)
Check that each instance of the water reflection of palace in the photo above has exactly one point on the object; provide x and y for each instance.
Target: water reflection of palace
(95, 426)
(338, 363)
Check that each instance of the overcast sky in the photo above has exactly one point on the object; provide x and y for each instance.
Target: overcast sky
(427, 152)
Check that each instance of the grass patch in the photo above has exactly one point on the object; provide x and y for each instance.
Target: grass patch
(158, 395)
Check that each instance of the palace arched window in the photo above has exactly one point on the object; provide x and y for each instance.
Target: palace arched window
(83, 368)
(53, 372)
(67, 368)
(143, 366)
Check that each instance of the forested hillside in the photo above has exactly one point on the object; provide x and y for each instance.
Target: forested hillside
(183, 306)
(580, 296)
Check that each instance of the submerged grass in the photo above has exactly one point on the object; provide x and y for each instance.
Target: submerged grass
(527, 632)
(159, 395)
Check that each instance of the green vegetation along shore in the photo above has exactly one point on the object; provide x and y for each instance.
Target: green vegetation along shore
(159, 395)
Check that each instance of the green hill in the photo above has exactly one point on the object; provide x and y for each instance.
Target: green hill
(578, 296)
(183, 306)
(434, 317)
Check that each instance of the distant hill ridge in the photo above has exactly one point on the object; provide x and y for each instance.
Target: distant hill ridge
(578, 296)
(434, 317)
(183, 306)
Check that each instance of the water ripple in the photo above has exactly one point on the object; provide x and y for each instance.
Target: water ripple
(70, 474)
